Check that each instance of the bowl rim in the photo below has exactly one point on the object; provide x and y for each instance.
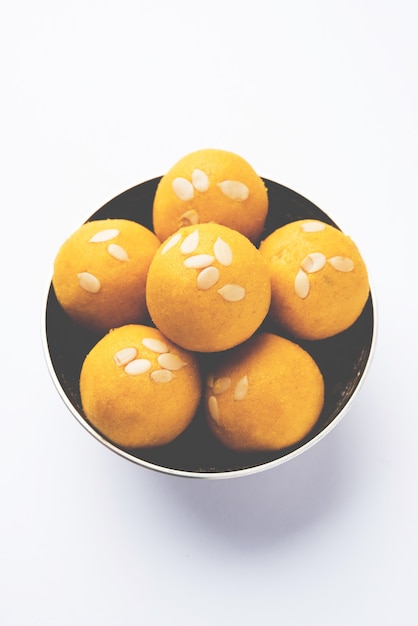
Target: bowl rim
(210, 475)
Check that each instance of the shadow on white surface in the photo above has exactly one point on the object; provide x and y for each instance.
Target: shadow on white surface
(264, 509)
(256, 512)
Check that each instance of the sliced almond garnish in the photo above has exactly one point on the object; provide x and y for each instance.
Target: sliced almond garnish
(313, 226)
(232, 292)
(183, 189)
(302, 286)
(88, 282)
(341, 263)
(241, 388)
(199, 261)
(138, 366)
(234, 190)
(171, 243)
(190, 243)
(200, 180)
(213, 408)
(104, 235)
(207, 278)
(314, 262)
(221, 385)
(223, 252)
(124, 356)
(117, 252)
(162, 376)
(170, 361)
(189, 218)
(155, 345)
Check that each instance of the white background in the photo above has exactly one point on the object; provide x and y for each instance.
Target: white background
(98, 96)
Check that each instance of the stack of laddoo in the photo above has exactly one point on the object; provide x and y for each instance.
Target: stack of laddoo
(203, 281)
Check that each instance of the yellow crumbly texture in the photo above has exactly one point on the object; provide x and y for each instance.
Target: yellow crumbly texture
(133, 410)
(204, 319)
(120, 298)
(338, 287)
(201, 187)
(266, 395)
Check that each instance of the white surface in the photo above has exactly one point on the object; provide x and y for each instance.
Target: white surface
(98, 96)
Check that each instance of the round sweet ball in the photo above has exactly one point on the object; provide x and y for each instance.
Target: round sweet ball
(266, 394)
(318, 277)
(100, 273)
(211, 186)
(208, 288)
(138, 389)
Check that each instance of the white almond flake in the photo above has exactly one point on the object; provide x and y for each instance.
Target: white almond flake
(125, 356)
(341, 263)
(221, 385)
(200, 180)
(198, 261)
(223, 252)
(183, 189)
(313, 227)
(213, 408)
(210, 381)
(104, 235)
(314, 262)
(232, 292)
(207, 278)
(88, 282)
(155, 345)
(117, 252)
(170, 361)
(138, 366)
(189, 218)
(171, 243)
(241, 388)
(234, 190)
(302, 286)
(190, 244)
(162, 376)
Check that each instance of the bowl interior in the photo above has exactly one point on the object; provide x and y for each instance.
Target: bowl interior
(343, 359)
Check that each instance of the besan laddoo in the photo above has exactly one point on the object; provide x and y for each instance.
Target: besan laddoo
(266, 394)
(138, 389)
(319, 280)
(211, 185)
(100, 272)
(208, 288)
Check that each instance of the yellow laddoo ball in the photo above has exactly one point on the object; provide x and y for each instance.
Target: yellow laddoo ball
(138, 389)
(100, 273)
(211, 186)
(266, 394)
(208, 288)
(319, 280)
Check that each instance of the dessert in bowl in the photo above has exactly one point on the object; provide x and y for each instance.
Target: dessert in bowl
(333, 367)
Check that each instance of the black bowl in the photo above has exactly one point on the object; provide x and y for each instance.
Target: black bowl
(343, 359)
